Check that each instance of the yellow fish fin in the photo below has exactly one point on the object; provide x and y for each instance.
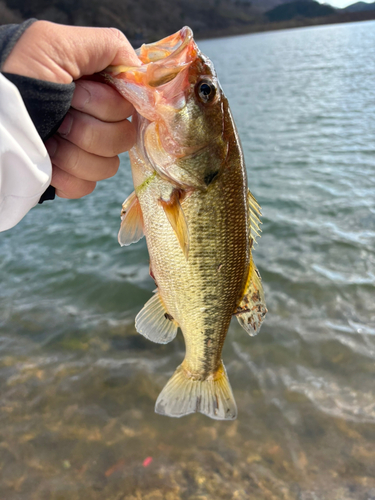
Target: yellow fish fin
(252, 309)
(254, 216)
(176, 217)
(131, 229)
(154, 322)
(184, 394)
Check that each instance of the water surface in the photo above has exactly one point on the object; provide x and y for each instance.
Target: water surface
(78, 384)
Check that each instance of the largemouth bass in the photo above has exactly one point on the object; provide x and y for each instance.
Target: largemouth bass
(192, 203)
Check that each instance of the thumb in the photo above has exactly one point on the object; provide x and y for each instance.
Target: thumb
(59, 53)
(93, 49)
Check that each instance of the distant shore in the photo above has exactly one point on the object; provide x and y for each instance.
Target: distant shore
(349, 17)
(144, 26)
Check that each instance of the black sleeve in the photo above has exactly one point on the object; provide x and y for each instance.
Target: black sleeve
(46, 102)
(9, 35)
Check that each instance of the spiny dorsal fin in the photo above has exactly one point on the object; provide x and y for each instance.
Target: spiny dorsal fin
(155, 323)
(252, 309)
(254, 216)
(176, 217)
(131, 229)
(184, 394)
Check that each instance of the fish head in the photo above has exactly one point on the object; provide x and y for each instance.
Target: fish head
(180, 107)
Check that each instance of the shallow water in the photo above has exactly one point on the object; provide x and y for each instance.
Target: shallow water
(78, 384)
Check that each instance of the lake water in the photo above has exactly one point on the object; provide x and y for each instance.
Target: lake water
(78, 384)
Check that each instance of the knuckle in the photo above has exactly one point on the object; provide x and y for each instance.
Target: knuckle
(130, 135)
(68, 185)
(124, 138)
(113, 167)
(77, 188)
(90, 139)
(116, 32)
(89, 187)
(41, 25)
(73, 159)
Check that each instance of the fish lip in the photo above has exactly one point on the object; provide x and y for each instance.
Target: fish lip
(161, 61)
(177, 41)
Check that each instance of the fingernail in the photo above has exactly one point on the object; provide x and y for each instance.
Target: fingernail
(66, 125)
(81, 96)
(51, 146)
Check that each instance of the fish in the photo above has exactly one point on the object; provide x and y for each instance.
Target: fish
(192, 202)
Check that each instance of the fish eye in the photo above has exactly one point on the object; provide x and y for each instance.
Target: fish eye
(206, 90)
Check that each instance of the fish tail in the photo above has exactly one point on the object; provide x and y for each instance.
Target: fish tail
(184, 394)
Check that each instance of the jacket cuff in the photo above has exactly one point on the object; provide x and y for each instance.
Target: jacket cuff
(46, 102)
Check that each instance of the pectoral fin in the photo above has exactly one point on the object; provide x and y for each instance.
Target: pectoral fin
(176, 217)
(131, 229)
(252, 308)
(155, 323)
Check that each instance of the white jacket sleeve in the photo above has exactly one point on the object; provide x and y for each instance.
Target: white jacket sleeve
(25, 167)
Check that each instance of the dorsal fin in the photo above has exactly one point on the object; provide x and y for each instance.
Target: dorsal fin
(176, 217)
(254, 216)
(252, 309)
(131, 229)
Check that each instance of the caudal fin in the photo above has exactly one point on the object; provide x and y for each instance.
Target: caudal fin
(183, 395)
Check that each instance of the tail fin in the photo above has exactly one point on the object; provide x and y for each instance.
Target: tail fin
(183, 395)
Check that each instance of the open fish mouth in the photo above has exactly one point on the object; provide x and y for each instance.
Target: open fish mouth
(161, 61)
(176, 45)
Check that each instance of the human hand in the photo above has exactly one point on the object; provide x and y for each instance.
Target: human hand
(96, 128)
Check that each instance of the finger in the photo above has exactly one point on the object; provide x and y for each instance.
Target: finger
(97, 137)
(96, 49)
(68, 186)
(64, 53)
(80, 163)
(101, 101)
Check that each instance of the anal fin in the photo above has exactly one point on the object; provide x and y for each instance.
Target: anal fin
(155, 323)
(131, 229)
(252, 309)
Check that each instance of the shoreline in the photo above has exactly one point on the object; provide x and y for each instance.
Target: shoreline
(287, 25)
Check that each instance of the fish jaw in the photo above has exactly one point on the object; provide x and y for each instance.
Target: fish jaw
(161, 78)
(175, 44)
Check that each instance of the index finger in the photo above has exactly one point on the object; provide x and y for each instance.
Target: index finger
(101, 101)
